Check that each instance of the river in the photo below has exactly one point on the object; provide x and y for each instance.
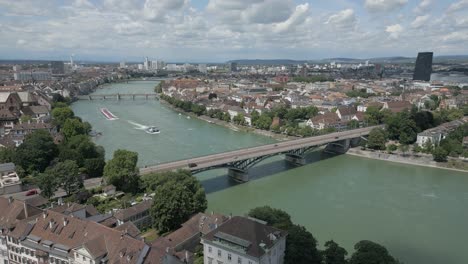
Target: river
(418, 213)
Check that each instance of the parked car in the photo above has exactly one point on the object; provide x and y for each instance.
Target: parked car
(32, 192)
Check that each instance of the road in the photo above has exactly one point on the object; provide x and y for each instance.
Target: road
(232, 156)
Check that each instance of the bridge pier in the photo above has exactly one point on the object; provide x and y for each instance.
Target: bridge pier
(118, 97)
(295, 159)
(238, 174)
(90, 98)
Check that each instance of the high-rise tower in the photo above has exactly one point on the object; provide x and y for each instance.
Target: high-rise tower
(423, 68)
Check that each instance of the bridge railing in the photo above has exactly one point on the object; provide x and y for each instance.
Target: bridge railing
(299, 140)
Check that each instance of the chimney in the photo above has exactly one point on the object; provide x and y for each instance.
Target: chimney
(25, 210)
(10, 200)
(65, 221)
(60, 201)
(44, 214)
(51, 224)
(167, 250)
(186, 256)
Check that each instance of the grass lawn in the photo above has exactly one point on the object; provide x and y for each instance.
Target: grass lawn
(150, 235)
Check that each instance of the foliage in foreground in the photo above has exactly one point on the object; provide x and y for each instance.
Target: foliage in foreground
(178, 195)
(301, 246)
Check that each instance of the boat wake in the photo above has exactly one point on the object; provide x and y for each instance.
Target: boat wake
(148, 129)
(138, 126)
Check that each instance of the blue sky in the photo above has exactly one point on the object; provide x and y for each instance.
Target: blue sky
(220, 30)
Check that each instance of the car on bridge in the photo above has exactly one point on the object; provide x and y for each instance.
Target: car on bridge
(192, 165)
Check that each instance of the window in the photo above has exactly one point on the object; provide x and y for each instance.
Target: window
(209, 249)
(239, 260)
(229, 257)
(210, 261)
(219, 253)
(84, 259)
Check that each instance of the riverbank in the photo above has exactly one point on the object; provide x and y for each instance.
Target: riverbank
(279, 137)
(421, 160)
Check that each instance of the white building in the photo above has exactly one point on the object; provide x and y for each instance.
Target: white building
(9, 180)
(244, 241)
(122, 65)
(202, 68)
(30, 76)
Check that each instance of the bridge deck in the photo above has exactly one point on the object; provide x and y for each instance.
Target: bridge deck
(276, 148)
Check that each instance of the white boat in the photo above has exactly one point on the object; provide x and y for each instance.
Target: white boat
(180, 114)
(152, 130)
(188, 117)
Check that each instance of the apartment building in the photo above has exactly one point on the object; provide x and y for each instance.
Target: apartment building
(244, 241)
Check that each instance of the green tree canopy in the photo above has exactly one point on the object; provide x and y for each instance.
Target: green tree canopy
(74, 127)
(121, 171)
(36, 152)
(61, 114)
(334, 254)
(69, 176)
(439, 154)
(377, 139)
(274, 217)
(368, 252)
(48, 183)
(301, 247)
(178, 195)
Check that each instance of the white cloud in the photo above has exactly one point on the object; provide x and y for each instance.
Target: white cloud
(344, 19)
(457, 6)
(420, 21)
(423, 6)
(384, 5)
(394, 31)
(156, 10)
(129, 28)
(268, 12)
(298, 17)
(456, 37)
(21, 42)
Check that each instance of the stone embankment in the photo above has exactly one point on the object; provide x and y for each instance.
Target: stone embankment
(411, 159)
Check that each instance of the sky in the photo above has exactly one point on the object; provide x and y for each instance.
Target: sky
(222, 30)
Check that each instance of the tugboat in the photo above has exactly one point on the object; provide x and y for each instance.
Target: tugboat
(152, 130)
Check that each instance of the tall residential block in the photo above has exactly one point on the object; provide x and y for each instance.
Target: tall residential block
(423, 68)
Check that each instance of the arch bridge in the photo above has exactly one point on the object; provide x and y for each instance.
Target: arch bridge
(239, 161)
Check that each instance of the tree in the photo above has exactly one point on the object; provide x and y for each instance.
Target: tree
(69, 176)
(274, 217)
(61, 114)
(47, 183)
(239, 119)
(373, 115)
(36, 152)
(391, 148)
(334, 254)
(353, 124)
(377, 139)
(176, 199)
(301, 247)
(121, 171)
(439, 154)
(73, 127)
(368, 252)
(7, 154)
(263, 122)
(428, 147)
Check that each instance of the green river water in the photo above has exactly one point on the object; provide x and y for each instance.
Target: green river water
(420, 214)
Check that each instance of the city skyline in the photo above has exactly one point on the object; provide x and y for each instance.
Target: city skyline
(222, 30)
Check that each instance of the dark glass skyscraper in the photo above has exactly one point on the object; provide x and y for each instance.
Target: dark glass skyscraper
(423, 68)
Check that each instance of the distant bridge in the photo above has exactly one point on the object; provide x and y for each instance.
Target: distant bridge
(239, 161)
(119, 96)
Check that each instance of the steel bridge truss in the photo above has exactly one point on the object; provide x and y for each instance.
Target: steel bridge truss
(245, 164)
